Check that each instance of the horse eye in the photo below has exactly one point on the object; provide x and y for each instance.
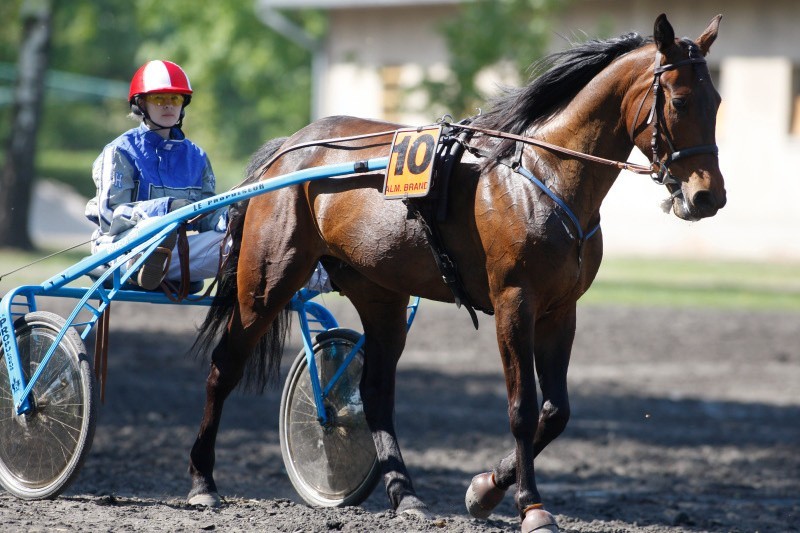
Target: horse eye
(678, 103)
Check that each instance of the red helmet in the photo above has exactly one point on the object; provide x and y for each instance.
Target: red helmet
(160, 77)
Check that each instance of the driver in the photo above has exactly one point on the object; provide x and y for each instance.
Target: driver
(153, 169)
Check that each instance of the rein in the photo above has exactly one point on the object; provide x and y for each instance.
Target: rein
(332, 140)
(658, 170)
(622, 165)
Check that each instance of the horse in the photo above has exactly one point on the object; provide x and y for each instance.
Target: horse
(521, 225)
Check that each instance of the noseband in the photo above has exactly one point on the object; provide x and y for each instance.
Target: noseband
(660, 169)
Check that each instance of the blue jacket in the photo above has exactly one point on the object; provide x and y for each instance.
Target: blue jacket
(138, 175)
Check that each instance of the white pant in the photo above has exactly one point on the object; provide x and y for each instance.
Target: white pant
(204, 251)
(203, 257)
(319, 280)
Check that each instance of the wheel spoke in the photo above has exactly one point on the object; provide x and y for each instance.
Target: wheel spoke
(331, 465)
(42, 451)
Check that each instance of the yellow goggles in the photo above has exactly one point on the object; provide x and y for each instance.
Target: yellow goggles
(163, 99)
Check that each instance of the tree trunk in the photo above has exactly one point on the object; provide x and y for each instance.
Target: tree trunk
(17, 178)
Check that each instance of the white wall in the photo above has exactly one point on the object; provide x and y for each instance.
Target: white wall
(361, 41)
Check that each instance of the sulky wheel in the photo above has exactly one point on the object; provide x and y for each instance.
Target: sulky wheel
(335, 464)
(41, 451)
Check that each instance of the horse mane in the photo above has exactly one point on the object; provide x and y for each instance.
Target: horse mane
(563, 75)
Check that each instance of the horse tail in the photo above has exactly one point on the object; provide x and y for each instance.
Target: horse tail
(263, 364)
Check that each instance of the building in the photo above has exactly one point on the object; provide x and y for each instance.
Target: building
(377, 49)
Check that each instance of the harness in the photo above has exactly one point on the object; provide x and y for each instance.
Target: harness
(456, 138)
(658, 169)
(432, 209)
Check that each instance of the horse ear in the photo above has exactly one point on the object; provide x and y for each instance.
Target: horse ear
(709, 36)
(663, 34)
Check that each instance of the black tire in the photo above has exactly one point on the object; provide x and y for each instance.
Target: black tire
(336, 465)
(42, 451)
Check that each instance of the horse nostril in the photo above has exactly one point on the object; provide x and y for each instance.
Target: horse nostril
(703, 202)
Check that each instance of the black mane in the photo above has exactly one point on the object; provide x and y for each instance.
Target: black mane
(563, 75)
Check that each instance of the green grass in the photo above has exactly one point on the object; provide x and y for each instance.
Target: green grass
(37, 273)
(637, 282)
(710, 284)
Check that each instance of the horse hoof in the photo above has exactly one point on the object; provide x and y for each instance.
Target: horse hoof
(539, 521)
(483, 496)
(412, 506)
(207, 499)
(418, 513)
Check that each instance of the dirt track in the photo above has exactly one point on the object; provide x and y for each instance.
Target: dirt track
(683, 421)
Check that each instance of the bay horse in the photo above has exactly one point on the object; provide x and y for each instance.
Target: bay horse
(522, 226)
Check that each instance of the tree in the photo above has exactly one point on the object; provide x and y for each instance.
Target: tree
(484, 34)
(250, 85)
(16, 180)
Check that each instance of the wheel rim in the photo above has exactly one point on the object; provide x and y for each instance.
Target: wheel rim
(335, 460)
(37, 447)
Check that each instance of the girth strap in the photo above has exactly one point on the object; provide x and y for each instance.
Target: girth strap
(446, 265)
(430, 210)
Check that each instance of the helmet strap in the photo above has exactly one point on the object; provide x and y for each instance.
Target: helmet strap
(143, 110)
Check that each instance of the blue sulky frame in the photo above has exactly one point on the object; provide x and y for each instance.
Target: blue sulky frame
(142, 241)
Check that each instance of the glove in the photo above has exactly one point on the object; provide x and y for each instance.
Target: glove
(222, 222)
(177, 203)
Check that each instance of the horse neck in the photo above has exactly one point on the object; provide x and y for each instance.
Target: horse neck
(594, 123)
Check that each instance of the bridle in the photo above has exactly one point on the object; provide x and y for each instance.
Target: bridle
(660, 169)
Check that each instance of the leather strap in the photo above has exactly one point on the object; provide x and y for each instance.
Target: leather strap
(101, 350)
(446, 265)
(179, 293)
(622, 165)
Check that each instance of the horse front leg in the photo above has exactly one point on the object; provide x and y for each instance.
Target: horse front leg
(518, 338)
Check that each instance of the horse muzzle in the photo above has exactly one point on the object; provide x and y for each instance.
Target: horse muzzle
(693, 204)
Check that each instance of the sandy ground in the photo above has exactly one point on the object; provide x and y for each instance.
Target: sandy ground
(682, 421)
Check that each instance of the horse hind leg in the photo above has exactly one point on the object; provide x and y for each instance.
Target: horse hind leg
(383, 316)
(228, 364)
(202, 456)
(253, 342)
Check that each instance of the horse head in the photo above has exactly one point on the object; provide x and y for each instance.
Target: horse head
(679, 130)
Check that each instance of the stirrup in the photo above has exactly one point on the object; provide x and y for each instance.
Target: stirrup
(155, 267)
